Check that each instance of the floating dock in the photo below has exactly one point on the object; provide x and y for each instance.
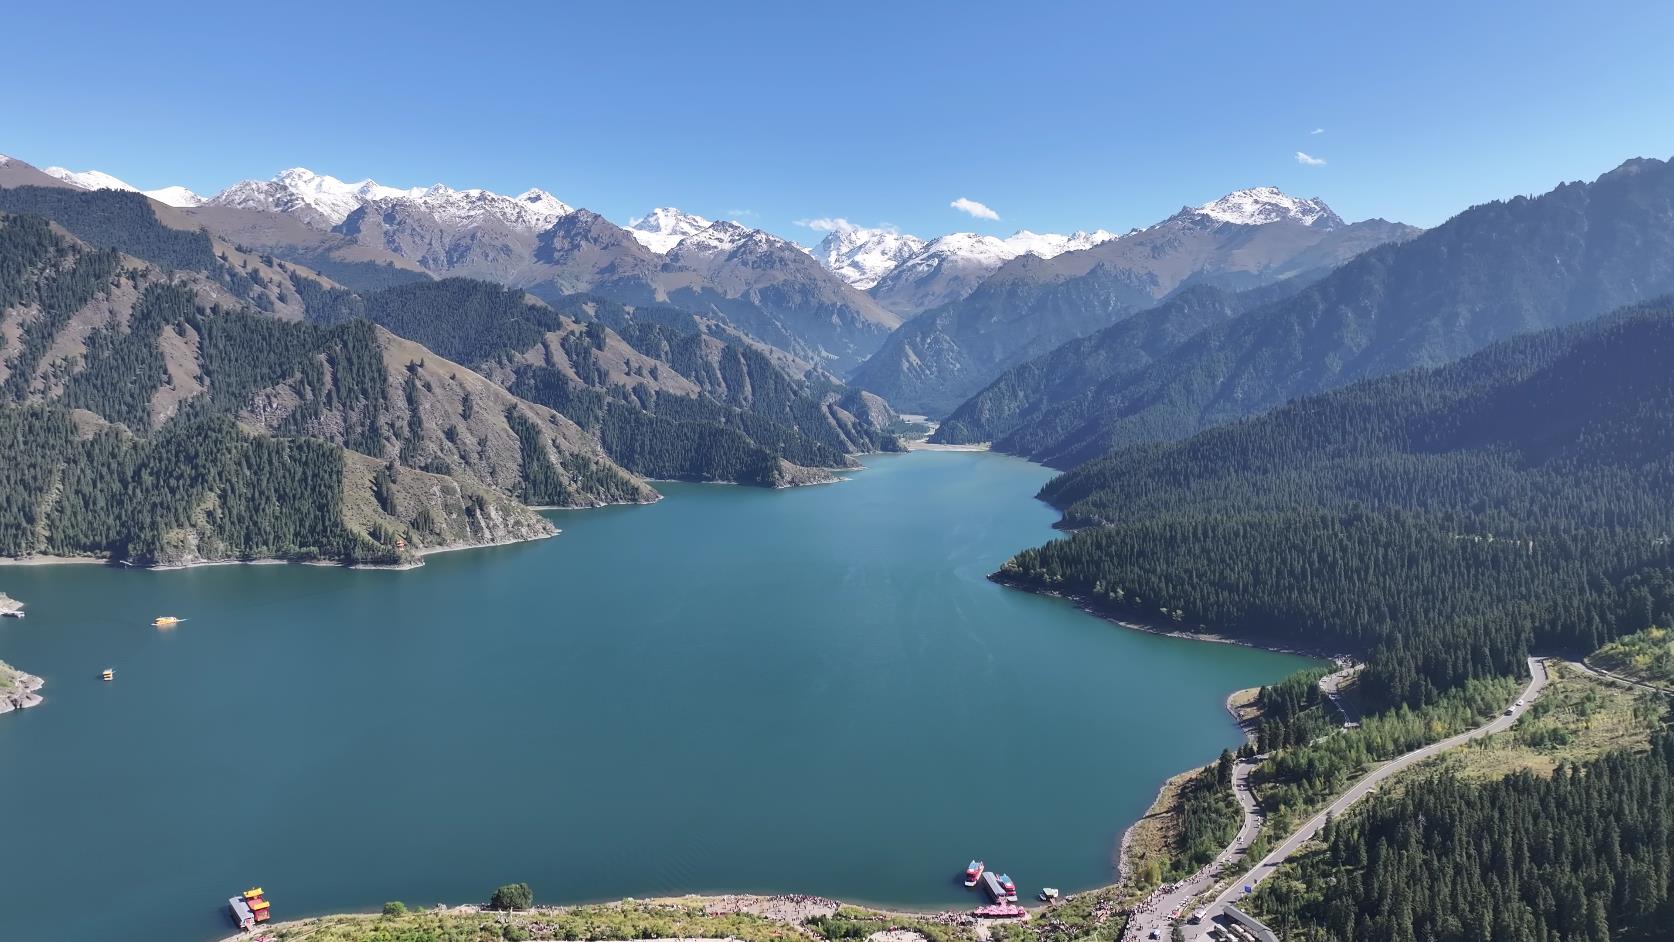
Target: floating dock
(249, 909)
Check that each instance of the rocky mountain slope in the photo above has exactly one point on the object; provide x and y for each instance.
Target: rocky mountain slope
(765, 286)
(370, 236)
(1487, 273)
(666, 397)
(1031, 304)
(149, 353)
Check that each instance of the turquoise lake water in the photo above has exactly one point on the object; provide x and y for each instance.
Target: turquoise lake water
(814, 690)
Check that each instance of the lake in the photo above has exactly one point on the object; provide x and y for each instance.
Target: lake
(812, 690)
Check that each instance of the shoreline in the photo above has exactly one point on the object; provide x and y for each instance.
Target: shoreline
(49, 560)
(420, 553)
(793, 910)
(1119, 880)
(934, 912)
(26, 695)
(1092, 608)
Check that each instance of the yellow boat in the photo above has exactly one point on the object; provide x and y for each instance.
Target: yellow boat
(109, 674)
(167, 621)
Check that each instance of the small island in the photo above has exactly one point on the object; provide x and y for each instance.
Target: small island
(17, 689)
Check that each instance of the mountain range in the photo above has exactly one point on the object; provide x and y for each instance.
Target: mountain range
(1490, 272)
(950, 267)
(858, 255)
(1030, 304)
(96, 180)
(834, 307)
(119, 315)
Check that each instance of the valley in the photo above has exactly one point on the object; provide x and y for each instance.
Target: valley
(528, 687)
(1443, 454)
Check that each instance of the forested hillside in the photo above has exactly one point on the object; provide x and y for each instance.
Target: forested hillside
(1443, 520)
(129, 223)
(1024, 396)
(157, 354)
(665, 402)
(1582, 854)
(1489, 273)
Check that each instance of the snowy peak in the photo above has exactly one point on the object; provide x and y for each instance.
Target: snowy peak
(90, 179)
(725, 236)
(98, 180)
(1261, 205)
(1024, 242)
(177, 196)
(862, 256)
(314, 197)
(662, 228)
(992, 251)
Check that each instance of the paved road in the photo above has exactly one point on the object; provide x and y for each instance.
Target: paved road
(1360, 789)
(1586, 668)
(1157, 911)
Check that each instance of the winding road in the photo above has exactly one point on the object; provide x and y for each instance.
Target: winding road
(1369, 782)
(1157, 912)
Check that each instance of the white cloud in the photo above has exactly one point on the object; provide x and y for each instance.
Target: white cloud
(827, 224)
(1317, 131)
(738, 213)
(1309, 161)
(973, 208)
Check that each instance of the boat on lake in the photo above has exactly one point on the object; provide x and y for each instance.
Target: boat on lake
(973, 873)
(991, 886)
(1008, 888)
(1048, 894)
(109, 674)
(166, 621)
(249, 908)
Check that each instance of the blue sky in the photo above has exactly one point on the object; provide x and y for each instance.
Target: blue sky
(1058, 116)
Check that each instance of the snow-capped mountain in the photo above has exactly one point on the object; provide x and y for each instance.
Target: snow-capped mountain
(769, 287)
(1261, 205)
(662, 228)
(949, 268)
(725, 238)
(89, 179)
(1033, 302)
(861, 256)
(324, 201)
(177, 196)
(99, 180)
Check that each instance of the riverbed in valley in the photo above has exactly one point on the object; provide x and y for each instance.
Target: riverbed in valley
(812, 690)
